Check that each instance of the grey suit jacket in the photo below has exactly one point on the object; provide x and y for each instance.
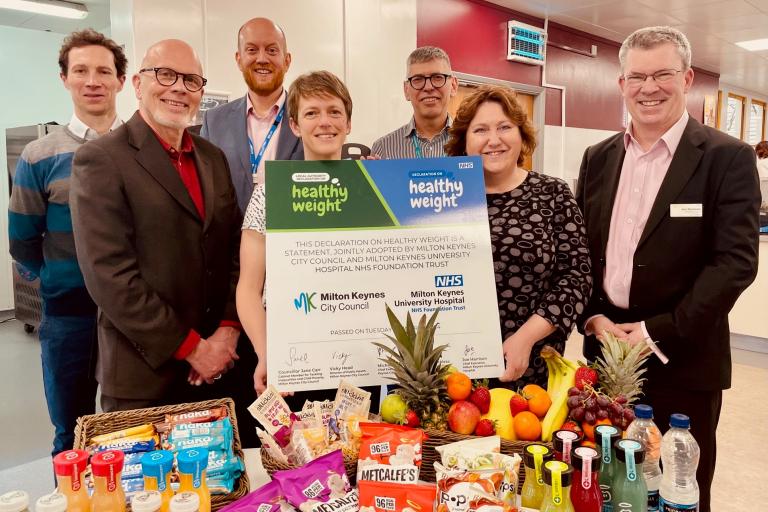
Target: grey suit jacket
(226, 127)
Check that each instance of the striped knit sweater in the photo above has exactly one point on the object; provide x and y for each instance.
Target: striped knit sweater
(40, 225)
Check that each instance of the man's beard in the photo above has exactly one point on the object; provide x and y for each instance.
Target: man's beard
(262, 88)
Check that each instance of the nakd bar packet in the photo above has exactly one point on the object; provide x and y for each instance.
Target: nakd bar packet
(273, 413)
(143, 443)
(456, 488)
(208, 415)
(393, 497)
(267, 498)
(389, 453)
(320, 486)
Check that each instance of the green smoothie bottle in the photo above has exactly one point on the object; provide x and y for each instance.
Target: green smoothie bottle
(605, 437)
(630, 493)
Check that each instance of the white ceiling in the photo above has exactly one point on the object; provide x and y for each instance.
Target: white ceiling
(98, 18)
(712, 26)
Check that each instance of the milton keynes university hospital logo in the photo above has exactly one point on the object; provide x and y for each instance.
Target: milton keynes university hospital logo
(304, 302)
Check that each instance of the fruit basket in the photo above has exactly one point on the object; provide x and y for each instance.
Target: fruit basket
(93, 425)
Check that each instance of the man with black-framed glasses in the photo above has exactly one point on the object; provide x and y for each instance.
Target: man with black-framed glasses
(157, 228)
(429, 85)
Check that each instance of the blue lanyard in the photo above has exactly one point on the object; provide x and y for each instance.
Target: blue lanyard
(256, 159)
(416, 145)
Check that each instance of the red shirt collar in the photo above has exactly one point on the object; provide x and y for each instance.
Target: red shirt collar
(187, 146)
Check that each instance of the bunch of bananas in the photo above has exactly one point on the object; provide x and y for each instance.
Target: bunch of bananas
(562, 376)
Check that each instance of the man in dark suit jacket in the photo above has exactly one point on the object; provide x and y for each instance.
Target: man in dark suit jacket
(156, 229)
(254, 128)
(671, 210)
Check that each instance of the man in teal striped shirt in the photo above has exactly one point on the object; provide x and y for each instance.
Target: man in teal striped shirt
(40, 228)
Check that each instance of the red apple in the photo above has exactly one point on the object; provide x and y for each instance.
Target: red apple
(463, 417)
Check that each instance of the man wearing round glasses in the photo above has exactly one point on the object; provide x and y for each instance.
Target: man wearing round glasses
(429, 85)
(156, 227)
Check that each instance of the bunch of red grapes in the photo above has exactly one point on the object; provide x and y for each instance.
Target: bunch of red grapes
(591, 405)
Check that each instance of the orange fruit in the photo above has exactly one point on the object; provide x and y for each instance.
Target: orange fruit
(589, 430)
(527, 426)
(458, 385)
(530, 390)
(539, 404)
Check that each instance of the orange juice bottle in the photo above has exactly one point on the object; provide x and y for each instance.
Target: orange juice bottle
(108, 494)
(156, 467)
(192, 464)
(69, 467)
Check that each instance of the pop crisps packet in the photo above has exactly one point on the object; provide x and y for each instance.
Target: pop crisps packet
(267, 498)
(320, 486)
(389, 453)
(456, 487)
(394, 497)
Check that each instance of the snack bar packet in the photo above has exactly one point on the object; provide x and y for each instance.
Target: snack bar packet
(267, 498)
(216, 442)
(143, 443)
(142, 430)
(206, 416)
(224, 463)
(393, 497)
(320, 486)
(456, 488)
(389, 453)
(221, 427)
(273, 413)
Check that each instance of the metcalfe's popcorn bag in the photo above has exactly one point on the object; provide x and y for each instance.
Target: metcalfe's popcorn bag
(393, 497)
(389, 453)
(320, 486)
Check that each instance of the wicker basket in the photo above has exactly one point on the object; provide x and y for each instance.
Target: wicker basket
(96, 424)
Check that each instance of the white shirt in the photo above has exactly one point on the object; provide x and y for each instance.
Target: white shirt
(84, 131)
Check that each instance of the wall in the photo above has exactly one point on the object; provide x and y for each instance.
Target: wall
(32, 93)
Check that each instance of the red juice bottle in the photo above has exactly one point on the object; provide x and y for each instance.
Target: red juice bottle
(586, 495)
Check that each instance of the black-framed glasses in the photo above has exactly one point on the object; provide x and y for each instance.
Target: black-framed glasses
(168, 77)
(437, 80)
(661, 76)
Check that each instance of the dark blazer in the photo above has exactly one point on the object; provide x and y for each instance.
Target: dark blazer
(688, 272)
(226, 127)
(152, 265)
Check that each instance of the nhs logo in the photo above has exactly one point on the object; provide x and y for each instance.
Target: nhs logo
(466, 165)
(449, 280)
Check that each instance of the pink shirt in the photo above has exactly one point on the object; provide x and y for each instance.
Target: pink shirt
(641, 176)
(258, 127)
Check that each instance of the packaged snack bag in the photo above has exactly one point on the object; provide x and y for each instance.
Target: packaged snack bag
(147, 430)
(271, 446)
(267, 498)
(320, 486)
(350, 401)
(488, 503)
(456, 488)
(389, 453)
(393, 497)
(272, 412)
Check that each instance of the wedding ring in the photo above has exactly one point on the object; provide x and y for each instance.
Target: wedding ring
(217, 377)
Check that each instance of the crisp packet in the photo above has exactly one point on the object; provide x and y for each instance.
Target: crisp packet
(394, 497)
(320, 486)
(482, 502)
(271, 411)
(456, 488)
(269, 444)
(471, 459)
(267, 498)
(389, 453)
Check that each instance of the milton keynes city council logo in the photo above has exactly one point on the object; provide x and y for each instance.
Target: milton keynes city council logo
(304, 302)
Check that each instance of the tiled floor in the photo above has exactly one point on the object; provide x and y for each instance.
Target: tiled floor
(26, 432)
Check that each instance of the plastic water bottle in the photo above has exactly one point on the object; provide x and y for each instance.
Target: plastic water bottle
(680, 456)
(643, 429)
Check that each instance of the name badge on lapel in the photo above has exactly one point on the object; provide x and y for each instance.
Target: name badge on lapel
(686, 210)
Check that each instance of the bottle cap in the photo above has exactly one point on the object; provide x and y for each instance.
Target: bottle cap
(644, 411)
(14, 501)
(679, 421)
(70, 462)
(146, 501)
(185, 502)
(623, 446)
(157, 464)
(560, 437)
(54, 502)
(192, 460)
(534, 449)
(581, 453)
(107, 463)
(566, 472)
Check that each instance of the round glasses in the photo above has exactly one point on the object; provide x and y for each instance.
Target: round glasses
(168, 77)
(437, 80)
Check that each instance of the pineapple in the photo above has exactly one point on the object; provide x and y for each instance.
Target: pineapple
(619, 369)
(418, 371)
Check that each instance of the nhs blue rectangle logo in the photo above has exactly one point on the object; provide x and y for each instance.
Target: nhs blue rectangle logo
(449, 280)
